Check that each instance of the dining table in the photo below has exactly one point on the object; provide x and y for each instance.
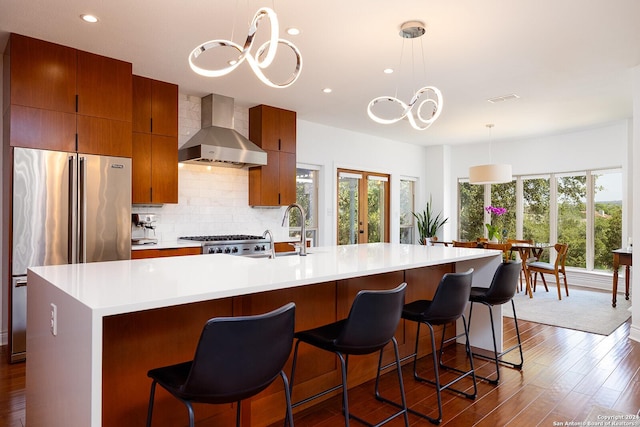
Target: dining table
(527, 252)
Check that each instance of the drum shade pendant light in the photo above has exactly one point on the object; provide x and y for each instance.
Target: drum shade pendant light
(490, 173)
(259, 61)
(425, 105)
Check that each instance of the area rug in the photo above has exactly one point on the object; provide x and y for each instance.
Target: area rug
(583, 310)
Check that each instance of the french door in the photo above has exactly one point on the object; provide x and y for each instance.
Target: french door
(363, 207)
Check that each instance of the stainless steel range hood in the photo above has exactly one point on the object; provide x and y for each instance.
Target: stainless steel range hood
(217, 143)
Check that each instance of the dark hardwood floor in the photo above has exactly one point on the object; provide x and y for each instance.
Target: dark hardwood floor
(565, 374)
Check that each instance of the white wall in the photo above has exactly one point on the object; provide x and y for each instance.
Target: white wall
(635, 154)
(332, 148)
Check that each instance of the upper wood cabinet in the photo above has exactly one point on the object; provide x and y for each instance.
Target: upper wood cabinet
(155, 107)
(42, 74)
(104, 87)
(274, 130)
(155, 142)
(60, 98)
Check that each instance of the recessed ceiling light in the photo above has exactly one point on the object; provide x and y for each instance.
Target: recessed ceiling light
(388, 70)
(89, 18)
(293, 31)
(327, 90)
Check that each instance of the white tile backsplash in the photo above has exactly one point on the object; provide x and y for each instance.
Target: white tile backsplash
(211, 200)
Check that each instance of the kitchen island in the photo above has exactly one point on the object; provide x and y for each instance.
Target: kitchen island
(94, 330)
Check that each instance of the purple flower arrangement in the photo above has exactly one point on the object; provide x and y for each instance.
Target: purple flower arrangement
(493, 231)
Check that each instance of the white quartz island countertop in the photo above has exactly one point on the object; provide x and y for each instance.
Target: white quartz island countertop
(69, 306)
(110, 288)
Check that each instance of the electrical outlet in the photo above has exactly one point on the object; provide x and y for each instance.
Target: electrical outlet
(54, 319)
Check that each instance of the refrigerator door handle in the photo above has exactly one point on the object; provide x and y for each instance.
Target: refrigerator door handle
(21, 283)
(82, 209)
(70, 233)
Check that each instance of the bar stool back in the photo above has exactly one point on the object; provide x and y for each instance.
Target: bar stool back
(236, 358)
(373, 319)
(502, 289)
(448, 305)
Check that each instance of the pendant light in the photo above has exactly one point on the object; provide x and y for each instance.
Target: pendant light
(425, 105)
(261, 59)
(490, 173)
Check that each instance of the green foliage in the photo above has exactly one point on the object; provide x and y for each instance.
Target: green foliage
(428, 224)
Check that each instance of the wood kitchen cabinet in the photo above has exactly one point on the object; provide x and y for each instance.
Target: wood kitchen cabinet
(60, 98)
(165, 252)
(154, 166)
(155, 107)
(155, 142)
(274, 130)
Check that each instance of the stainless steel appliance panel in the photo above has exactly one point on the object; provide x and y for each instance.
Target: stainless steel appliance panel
(42, 205)
(67, 208)
(104, 208)
(19, 318)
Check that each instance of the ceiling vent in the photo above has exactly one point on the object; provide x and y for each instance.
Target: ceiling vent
(503, 98)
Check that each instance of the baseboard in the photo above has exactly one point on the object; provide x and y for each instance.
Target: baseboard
(634, 332)
(589, 279)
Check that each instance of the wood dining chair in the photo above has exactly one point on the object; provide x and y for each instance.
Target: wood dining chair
(504, 247)
(457, 244)
(528, 253)
(556, 269)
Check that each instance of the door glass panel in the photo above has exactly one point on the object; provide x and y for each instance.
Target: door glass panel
(376, 209)
(348, 202)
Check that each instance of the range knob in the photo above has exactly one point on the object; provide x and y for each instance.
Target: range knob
(234, 250)
(219, 250)
(263, 248)
(257, 248)
(227, 250)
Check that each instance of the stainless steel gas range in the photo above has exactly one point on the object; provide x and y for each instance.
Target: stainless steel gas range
(233, 244)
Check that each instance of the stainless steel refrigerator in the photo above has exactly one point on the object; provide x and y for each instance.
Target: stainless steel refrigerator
(67, 208)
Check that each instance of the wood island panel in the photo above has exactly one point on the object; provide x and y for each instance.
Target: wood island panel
(134, 343)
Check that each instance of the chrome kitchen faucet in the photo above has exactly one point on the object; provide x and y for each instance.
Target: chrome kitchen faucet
(303, 231)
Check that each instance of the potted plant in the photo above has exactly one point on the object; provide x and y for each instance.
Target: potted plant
(428, 224)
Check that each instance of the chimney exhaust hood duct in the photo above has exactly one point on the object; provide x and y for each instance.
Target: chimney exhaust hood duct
(217, 143)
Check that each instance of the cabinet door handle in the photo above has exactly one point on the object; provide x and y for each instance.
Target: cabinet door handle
(151, 124)
(279, 144)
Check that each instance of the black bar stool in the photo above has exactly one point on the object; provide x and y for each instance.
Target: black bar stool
(448, 305)
(236, 358)
(502, 289)
(372, 323)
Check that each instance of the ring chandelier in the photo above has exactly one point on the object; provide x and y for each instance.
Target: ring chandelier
(425, 105)
(263, 57)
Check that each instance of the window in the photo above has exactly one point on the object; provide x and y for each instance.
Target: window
(407, 208)
(536, 198)
(572, 217)
(607, 196)
(471, 208)
(504, 196)
(582, 209)
(307, 197)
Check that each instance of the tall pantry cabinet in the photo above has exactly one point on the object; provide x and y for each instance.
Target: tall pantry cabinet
(155, 142)
(60, 98)
(274, 130)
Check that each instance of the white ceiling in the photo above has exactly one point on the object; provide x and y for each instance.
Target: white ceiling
(568, 60)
